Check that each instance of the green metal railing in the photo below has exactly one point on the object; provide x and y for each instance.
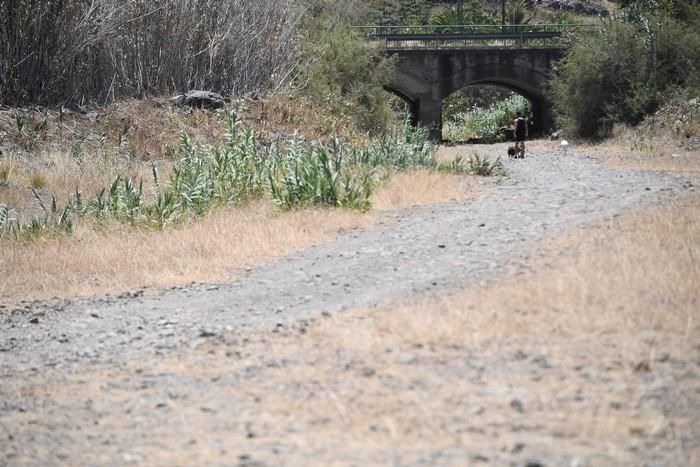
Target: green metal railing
(471, 35)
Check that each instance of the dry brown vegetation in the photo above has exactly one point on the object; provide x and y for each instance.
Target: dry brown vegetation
(590, 356)
(79, 52)
(422, 187)
(86, 151)
(117, 258)
(656, 157)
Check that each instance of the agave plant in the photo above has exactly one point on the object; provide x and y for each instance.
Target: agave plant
(484, 167)
(7, 224)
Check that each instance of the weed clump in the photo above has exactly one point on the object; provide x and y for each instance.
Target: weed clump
(38, 180)
(6, 170)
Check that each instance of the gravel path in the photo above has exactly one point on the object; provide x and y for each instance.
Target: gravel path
(411, 254)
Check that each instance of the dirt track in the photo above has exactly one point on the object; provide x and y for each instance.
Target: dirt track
(104, 347)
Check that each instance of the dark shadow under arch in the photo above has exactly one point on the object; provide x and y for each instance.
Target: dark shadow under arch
(413, 104)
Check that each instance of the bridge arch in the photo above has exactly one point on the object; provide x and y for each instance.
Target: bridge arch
(539, 105)
(411, 101)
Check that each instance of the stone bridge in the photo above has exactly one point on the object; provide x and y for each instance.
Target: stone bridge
(424, 77)
(432, 62)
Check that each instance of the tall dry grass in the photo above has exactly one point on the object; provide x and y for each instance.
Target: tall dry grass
(116, 257)
(420, 187)
(119, 258)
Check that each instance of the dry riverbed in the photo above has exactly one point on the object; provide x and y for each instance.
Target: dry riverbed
(550, 319)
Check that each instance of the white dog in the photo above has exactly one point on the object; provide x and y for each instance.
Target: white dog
(564, 146)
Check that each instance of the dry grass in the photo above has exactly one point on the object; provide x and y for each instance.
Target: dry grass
(142, 129)
(611, 305)
(118, 258)
(121, 258)
(636, 275)
(589, 356)
(606, 313)
(283, 115)
(621, 157)
(60, 174)
(639, 148)
(38, 180)
(422, 187)
(62, 153)
(6, 170)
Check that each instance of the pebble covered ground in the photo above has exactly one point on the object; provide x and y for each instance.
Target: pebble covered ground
(410, 256)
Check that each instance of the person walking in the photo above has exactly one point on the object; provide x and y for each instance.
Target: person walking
(521, 134)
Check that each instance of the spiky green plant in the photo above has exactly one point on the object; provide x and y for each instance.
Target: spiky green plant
(318, 175)
(455, 166)
(483, 166)
(518, 13)
(485, 124)
(464, 13)
(7, 223)
(294, 174)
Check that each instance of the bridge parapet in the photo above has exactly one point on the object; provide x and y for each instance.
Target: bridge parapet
(470, 36)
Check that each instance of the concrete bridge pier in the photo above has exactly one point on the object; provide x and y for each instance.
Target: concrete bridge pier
(428, 114)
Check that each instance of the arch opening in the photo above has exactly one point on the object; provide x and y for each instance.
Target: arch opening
(484, 112)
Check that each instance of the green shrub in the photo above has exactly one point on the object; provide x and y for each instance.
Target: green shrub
(484, 167)
(319, 176)
(343, 72)
(485, 124)
(404, 147)
(464, 13)
(624, 71)
(518, 12)
(455, 166)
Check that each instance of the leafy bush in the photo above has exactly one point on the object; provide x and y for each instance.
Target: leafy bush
(626, 70)
(342, 72)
